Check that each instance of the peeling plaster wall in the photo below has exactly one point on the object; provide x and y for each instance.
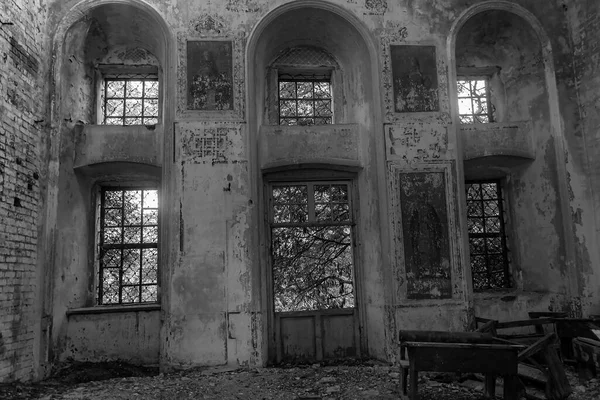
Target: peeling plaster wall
(90, 155)
(504, 42)
(213, 294)
(581, 120)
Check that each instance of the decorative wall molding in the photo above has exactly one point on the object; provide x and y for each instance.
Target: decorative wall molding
(209, 143)
(416, 141)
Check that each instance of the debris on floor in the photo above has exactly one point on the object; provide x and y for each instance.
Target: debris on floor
(356, 380)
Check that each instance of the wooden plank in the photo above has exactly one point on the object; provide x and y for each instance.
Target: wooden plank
(489, 346)
(558, 387)
(463, 358)
(547, 314)
(445, 337)
(524, 322)
(537, 346)
(531, 373)
(489, 326)
(591, 342)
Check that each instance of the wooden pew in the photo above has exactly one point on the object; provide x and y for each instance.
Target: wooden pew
(439, 351)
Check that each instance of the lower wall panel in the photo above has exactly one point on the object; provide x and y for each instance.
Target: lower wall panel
(128, 336)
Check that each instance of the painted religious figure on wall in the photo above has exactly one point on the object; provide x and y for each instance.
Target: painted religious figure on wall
(414, 77)
(209, 75)
(426, 239)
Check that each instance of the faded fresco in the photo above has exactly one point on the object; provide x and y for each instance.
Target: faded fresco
(210, 75)
(425, 231)
(414, 76)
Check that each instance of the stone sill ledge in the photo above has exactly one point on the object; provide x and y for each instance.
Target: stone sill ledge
(112, 309)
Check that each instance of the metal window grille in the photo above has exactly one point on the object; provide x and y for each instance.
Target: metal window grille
(305, 102)
(130, 99)
(487, 236)
(128, 246)
(474, 101)
(311, 246)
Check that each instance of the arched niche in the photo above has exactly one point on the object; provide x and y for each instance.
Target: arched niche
(306, 24)
(504, 47)
(128, 33)
(339, 34)
(538, 200)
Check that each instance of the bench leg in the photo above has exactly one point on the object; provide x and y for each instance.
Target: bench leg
(414, 381)
(511, 390)
(490, 386)
(403, 382)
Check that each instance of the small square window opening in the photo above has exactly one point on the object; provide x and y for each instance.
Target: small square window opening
(487, 236)
(474, 101)
(305, 102)
(128, 246)
(130, 99)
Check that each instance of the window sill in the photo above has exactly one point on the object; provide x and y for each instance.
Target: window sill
(113, 309)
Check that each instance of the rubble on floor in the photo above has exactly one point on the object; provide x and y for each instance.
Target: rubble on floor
(346, 381)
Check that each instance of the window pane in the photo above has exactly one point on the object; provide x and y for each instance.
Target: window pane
(114, 121)
(133, 108)
(304, 102)
(463, 89)
(287, 108)
(473, 100)
(465, 106)
(322, 90)
(305, 108)
(132, 101)
(323, 108)
(151, 89)
(150, 234)
(489, 265)
(131, 294)
(287, 90)
(110, 282)
(111, 258)
(112, 235)
(131, 266)
(115, 89)
(112, 217)
(312, 268)
(126, 264)
(149, 293)
(288, 121)
(149, 266)
(114, 108)
(305, 90)
(150, 108)
(133, 121)
(150, 217)
(150, 121)
(134, 89)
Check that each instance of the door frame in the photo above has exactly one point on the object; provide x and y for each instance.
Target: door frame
(306, 173)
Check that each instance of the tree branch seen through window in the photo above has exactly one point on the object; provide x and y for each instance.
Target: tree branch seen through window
(128, 245)
(311, 246)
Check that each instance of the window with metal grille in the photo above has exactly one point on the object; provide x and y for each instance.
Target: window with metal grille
(311, 246)
(487, 236)
(128, 246)
(130, 99)
(305, 101)
(474, 101)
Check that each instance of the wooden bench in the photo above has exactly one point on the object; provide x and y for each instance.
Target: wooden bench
(461, 352)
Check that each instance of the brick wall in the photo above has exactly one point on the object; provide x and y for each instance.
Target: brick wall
(21, 104)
